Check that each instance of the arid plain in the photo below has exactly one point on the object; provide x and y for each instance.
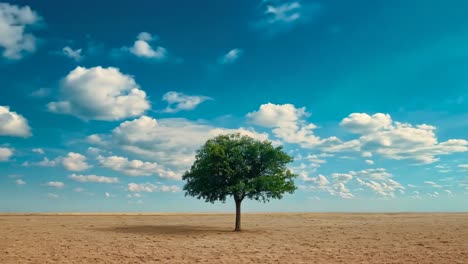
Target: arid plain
(208, 238)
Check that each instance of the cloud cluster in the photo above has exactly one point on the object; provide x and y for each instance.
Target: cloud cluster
(376, 180)
(288, 124)
(395, 140)
(178, 101)
(149, 187)
(136, 167)
(279, 16)
(13, 124)
(75, 162)
(378, 134)
(171, 142)
(15, 25)
(100, 94)
(93, 178)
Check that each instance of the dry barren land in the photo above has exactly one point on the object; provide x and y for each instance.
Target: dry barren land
(207, 238)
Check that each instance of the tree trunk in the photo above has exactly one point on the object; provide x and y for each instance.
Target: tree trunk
(238, 215)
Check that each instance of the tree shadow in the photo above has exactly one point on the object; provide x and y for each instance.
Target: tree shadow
(166, 229)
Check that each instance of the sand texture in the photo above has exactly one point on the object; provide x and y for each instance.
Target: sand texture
(207, 238)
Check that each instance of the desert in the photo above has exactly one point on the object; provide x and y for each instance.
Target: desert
(208, 238)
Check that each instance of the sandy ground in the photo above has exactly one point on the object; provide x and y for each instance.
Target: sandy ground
(207, 238)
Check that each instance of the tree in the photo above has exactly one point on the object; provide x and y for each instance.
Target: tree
(241, 167)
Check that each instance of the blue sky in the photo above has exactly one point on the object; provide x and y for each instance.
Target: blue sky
(102, 106)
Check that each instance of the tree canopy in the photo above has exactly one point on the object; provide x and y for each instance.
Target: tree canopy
(241, 167)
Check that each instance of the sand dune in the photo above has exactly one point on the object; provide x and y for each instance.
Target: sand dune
(207, 238)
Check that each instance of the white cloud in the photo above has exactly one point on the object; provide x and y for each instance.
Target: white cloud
(449, 193)
(281, 16)
(15, 24)
(433, 184)
(342, 177)
(385, 188)
(148, 187)
(377, 180)
(274, 116)
(288, 124)
(463, 166)
(13, 124)
(100, 94)
(370, 162)
(40, 93)
(415, 195)
(78, 190)
(136, 167)
(5, 154)
(142, 48)
(38, 151)
(178, 101)
(230, 57)
(75, 162)
(171, 142)
(20, 182)
(55, 184)
(52, 196)
(361, 123)
(395, 140)
(43, 163)
(375, 174)
(320, 180)
(73, 54)
(108, 195)
(93, 178)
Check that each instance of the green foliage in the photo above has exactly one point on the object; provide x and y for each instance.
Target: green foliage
(239, 166)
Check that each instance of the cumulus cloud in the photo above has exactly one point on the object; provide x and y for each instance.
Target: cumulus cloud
(5, 154)
(15, 25)
(142, 48)
(13, 124)
(38, 151)
(149, 187)
(370, 162)
(281, 16)
(230, 57)
(376, 180)
(52, 196)
(100, 94)
(136, 167)
(288, 124)
(178, 101)
(463, 166)
(55, 184)
(433, 184)
(46, 162)
(380, 134)
(75, 162)
(20, 182)
(40, 93)
(72, 54)
(385, 188)
(171, 142)
(93, 178)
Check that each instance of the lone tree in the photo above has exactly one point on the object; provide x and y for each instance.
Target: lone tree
(241, 167)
